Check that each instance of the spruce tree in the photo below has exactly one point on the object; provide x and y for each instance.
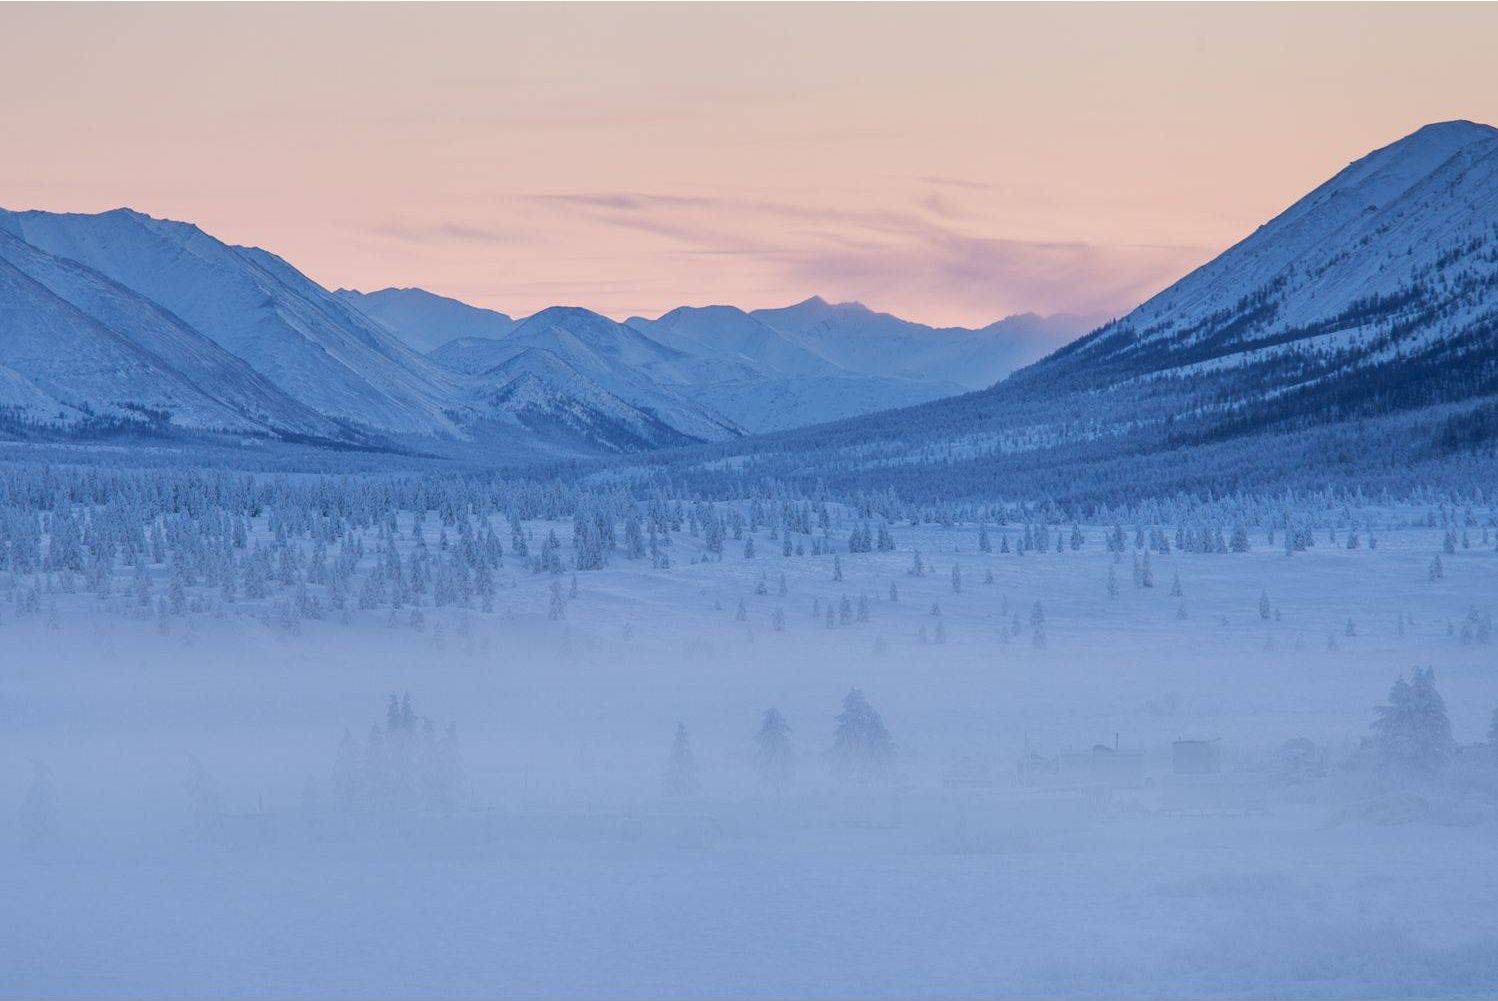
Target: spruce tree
(1412, 732)
(774, 761)
(862, 751)
(680, 779)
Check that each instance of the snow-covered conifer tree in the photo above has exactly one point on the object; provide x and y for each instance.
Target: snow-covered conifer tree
(774, 760)
(862, 750)
(680, 780)
(1412, 732)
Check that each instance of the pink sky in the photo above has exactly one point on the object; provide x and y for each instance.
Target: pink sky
(949, 163)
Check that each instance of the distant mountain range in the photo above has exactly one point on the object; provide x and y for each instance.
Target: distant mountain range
(768, 370)
(122, 323)
(426, 321)
(1356, 330)
(1359, 326)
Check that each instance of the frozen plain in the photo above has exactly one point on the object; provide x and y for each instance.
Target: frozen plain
(566, 872)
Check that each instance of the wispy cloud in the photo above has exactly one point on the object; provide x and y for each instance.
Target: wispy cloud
(923, 252)
(929, 254)
(441, 233)
(996, 277)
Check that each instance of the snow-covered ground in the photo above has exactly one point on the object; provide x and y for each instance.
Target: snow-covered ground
(197, 846)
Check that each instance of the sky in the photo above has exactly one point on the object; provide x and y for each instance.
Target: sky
(952, 164)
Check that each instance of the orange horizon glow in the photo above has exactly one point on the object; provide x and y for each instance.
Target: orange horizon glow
(951, 164)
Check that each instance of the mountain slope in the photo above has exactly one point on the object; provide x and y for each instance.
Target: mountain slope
(556, 402)
(1383, 280)
(736, 338)
(183, 330)
(765, 381)
(858, 339)
(726, 361)
(254, 305)
(63, 368)
(779, 403)
(425, 321)
(1363, 319)
(616, 358)
(123, 324)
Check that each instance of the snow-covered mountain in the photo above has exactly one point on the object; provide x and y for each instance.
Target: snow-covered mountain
(76, 347)
(738, 339)
(563, 407)
(1358, 325)
(238, 340)
(720, 359)
(290, 330)
(858, 339)
(1379, 285)
(123, 317)
(425, 321)
(784, 402)
(614, 358)
(766, 380)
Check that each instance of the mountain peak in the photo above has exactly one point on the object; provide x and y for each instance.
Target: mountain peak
(1422, 151)
(817, 304)
(1457, 127)
(567, 316)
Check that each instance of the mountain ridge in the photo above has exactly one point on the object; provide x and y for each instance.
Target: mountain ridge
(1368, 302)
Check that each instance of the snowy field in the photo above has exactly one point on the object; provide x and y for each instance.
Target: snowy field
(180, 819)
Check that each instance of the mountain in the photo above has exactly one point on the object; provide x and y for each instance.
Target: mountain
(555, 402)
(254, 305)
(425, 321)
(120, 318)
(771, 376)
(78, 348)
(766, 381)
(1376, 291)
(615, 358)
(471, 355)
(736, 338)
(764, 405)
(858, 339)
(1355, 334)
